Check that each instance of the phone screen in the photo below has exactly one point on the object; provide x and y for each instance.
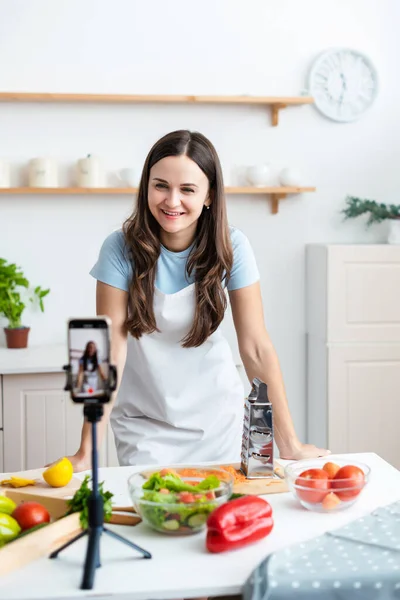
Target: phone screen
(89, 358)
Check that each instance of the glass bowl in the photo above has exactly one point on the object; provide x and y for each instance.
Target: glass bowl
(326, 495)
(181, 512)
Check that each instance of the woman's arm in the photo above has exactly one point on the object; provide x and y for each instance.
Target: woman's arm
(112, 302)
(260, 360)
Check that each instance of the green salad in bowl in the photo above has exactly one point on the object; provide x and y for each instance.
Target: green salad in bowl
(178, 500)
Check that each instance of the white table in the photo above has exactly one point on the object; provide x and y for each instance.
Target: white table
(181, 567)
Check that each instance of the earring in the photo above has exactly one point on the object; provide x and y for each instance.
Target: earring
(207, 207)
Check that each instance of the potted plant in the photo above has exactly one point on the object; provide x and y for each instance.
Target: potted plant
(376, 214)
(12, 302)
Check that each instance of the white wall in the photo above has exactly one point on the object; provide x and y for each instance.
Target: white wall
(213, 47)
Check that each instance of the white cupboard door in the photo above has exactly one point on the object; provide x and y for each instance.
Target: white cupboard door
(1, 402)
(364, 399)
(363, 294)
(41, 423)
(1, 453)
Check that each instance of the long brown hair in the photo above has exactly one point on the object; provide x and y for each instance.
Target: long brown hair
(210, 258)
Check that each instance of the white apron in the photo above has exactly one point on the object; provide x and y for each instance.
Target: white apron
(178, 405)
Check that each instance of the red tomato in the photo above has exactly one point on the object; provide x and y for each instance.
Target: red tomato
(348, 477)
(331, 468)
(186, 497)
(29, 514)
(318, 482)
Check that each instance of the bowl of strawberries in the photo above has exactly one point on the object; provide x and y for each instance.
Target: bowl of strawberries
(327, 485)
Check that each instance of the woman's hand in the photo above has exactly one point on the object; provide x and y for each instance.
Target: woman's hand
(79, 461)
(301, 451)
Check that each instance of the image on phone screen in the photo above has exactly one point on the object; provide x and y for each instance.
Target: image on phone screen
(89, 359)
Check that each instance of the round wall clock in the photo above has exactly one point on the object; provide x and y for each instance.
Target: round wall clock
(343, 83)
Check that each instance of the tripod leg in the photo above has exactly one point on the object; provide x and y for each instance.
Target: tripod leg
(98, 563)
(92, 556)
(77, 537)
(145, 553)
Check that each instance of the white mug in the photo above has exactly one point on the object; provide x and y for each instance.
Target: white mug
(4, 173)
(43, 172)
(90, 172)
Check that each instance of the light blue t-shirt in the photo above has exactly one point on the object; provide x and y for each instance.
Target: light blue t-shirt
(114, 267)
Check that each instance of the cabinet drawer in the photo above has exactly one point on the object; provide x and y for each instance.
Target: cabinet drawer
(354, 293)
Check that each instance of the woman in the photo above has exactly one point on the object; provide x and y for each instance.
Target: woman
(162, 280)
(89, 370)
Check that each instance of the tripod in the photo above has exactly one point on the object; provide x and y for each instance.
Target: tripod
(93, 411)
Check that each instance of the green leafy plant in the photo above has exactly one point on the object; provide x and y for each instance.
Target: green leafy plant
(80, 502)
(12, 284)
(377, 212)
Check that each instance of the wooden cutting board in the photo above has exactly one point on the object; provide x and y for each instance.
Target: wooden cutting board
(259, 487)
(41, 488)
(252, 487)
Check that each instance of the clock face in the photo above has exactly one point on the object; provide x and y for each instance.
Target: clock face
(343, 83)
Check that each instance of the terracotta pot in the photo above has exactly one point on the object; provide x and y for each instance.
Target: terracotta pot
(17, 338)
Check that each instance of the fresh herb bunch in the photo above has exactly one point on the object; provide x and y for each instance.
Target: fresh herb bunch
(12, 305)
(377, 212)
(80, 502)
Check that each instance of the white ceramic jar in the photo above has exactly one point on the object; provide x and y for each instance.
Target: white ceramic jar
(4, 173)
(43, 172)
(259, 175)
(393, 231)
(90, 172)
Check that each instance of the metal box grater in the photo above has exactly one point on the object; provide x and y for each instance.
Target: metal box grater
(257, 458)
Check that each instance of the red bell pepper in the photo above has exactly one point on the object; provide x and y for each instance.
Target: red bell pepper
(237, 523)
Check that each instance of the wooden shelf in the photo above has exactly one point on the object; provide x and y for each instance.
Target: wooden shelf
(276, 103)
(68, 191)
(276, 193)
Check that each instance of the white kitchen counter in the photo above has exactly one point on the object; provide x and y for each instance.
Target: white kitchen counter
(35, 359)
(181, 567)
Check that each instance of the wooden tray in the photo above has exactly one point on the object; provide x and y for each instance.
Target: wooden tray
(42, 542)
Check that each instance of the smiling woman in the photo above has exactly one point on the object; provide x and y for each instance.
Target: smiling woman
(171, 200)
(163, 280)
(181, 179)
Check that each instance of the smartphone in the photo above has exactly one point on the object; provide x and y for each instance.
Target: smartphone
(89, 342)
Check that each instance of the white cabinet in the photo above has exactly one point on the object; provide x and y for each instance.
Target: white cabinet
(41, 423)
(1, 405)
(1, 452)
(353, 348)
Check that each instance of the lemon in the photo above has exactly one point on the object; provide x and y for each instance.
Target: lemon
(59, 474)
(7, 506)
(9, 528)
